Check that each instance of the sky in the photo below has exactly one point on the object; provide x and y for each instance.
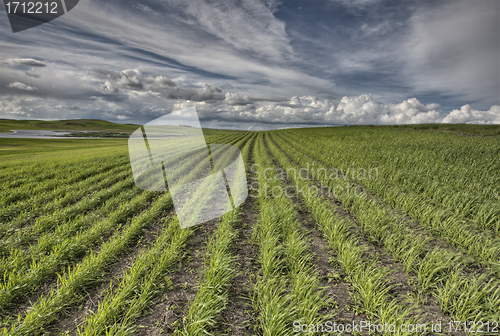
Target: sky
(258, 64)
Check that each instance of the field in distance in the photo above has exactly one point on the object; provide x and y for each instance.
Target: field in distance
(66, 125)
(383, 227)
(106, 126)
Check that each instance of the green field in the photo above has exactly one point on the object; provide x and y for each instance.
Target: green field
(463, 129)
(387, 225)
(6, 125)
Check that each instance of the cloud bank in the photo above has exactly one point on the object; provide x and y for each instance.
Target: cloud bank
(132, 95)
(350, 110)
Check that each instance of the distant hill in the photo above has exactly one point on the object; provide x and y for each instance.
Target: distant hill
(66, 125)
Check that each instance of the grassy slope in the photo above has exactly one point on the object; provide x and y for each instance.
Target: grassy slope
(66, 125)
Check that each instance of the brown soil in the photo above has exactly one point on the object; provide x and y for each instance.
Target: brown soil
(238, 318)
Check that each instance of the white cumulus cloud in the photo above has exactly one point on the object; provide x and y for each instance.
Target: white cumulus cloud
(139, 96)
(467, 114)
(21, 86)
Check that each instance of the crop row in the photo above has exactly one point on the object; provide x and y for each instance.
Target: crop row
(59, 167)
(442, 273)
(88, 187)
(482, 245)
(71, 284)
(425, 178)
(22, 182)
(119, 308)
(147, 276)
(415, 156)
(461, 233)
(48, 222)
(20, 260)
(46, 266)
(62, 250)
(60, 180)
(64, 246)
(24, 212)
(211, 296)
(367, 276)
(288, 288)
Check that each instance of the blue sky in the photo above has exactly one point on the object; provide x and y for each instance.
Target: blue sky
(258, 64)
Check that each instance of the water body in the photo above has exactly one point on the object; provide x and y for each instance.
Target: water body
(36, 134)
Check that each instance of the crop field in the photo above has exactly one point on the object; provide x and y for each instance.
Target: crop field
(345, 231)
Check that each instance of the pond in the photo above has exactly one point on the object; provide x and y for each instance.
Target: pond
(38, 134)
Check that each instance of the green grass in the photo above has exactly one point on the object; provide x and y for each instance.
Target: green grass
(449, 223)
(289, 287)
(138, 285)
(66, 125)
(365, 273)
(44, 150)
(439, 271)
(464, 129)
(211, 298)
(18, 283)
(73, 282)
